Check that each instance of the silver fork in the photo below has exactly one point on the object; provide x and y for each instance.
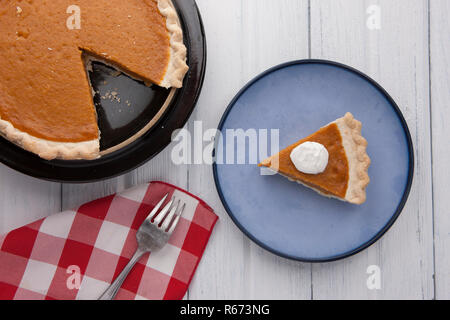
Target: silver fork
(151, 236)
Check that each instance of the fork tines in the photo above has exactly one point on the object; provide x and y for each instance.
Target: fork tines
(168, 218)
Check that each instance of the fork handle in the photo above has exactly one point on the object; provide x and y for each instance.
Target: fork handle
(112, 290)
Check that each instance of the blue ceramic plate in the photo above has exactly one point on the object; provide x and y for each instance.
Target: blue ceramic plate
(286, 218)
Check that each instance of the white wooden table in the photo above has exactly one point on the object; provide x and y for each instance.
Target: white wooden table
(409, 55)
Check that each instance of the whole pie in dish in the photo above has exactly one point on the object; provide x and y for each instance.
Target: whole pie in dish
(345, 176)
(46, 103)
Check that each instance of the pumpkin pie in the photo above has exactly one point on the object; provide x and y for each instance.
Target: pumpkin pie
(346, 174)
(46, 103)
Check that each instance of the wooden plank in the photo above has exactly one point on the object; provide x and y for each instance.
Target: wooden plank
(24, 199)
(440, 97)
(74, 195)
(245, 37)
(161, 168)
(396, 55)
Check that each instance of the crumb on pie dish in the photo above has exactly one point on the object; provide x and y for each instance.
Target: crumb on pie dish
(332, 161)
(46, 100)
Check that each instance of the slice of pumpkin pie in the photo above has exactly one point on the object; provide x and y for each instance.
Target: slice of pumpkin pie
(332, 161)
(46, 103)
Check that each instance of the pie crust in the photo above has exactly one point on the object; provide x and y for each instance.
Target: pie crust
(89, 150)
(177, 65)
(49, 150)
(358, 162)
(355, 148)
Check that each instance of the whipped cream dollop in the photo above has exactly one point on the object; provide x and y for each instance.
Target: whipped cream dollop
(310, 158)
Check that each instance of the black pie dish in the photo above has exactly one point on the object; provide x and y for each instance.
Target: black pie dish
(117, 123)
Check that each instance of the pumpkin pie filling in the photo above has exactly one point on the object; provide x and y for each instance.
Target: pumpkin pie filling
(44, 87)
(334, 180)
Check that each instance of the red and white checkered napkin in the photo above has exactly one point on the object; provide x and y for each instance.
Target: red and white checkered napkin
(77, 254)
